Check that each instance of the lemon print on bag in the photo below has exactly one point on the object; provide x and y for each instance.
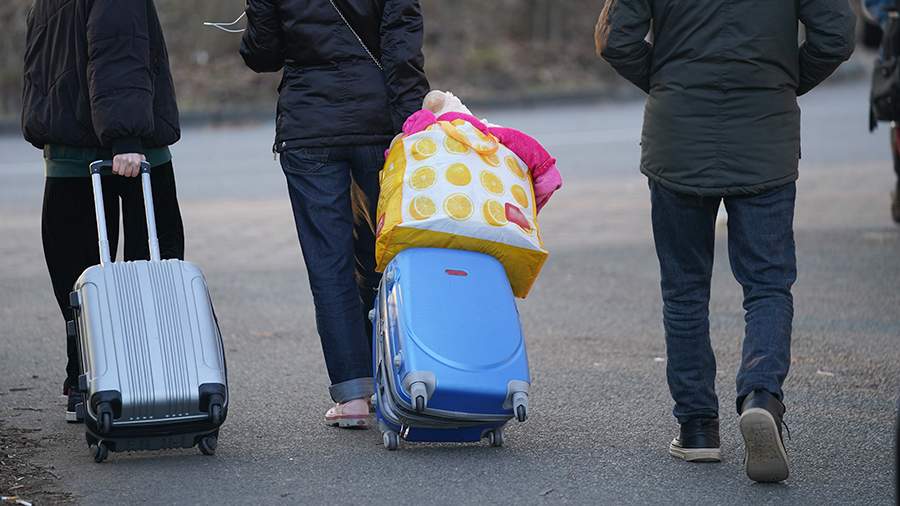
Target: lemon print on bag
(454, 146)
(459, 207)
(483, 136)
(459, 175)
(492, 159)
(491, 182)
(424, 148)
(396, 160)
(514, 167)
(520, 195)
(422, 208)
(423, 178)
(486, 143)
(494, 213)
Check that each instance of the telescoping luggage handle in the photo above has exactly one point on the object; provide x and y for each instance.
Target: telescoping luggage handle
(96, 168)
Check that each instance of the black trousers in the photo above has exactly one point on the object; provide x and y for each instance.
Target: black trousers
(69, 230)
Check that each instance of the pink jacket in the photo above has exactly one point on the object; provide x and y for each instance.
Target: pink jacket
(544, 173)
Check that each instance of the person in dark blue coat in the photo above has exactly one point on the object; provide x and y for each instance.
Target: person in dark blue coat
(877, 10)
(352, 72)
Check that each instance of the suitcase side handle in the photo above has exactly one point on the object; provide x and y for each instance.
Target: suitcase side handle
(96, 168)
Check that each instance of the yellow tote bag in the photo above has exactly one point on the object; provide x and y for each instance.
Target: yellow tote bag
(452, 186)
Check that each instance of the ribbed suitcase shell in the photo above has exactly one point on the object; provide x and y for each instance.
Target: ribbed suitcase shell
(149, 333)
(449, 319)
(151, 352)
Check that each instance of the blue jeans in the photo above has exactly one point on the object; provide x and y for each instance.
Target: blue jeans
(334, 225)
(878, 9)
(763, 260)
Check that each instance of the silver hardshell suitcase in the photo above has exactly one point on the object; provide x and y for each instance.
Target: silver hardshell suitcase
(151, 352)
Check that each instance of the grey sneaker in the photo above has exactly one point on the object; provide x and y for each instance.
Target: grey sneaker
(75, 407)
(765, 457)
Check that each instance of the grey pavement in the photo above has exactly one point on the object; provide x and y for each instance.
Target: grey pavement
(601, 412)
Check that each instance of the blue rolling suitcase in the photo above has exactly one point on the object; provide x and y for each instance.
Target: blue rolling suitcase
(449, 357)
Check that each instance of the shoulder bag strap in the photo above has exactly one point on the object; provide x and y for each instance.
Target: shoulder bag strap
(358, 38)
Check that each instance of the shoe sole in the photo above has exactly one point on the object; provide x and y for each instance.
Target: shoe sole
(765, 459)
(359, 423)
(698, 455)
(76, 416)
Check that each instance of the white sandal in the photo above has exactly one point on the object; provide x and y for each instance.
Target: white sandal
(349, 415)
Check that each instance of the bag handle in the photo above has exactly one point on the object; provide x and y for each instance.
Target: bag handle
(358, 38)
(491, 148)
(96, 168)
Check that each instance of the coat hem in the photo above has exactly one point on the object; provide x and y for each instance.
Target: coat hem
(337, 141)
(722, 191)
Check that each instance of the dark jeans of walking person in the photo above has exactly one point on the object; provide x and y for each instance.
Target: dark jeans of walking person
(352, 72)
(895, 194)
(762, 256)
(338, 244)
(722, 121)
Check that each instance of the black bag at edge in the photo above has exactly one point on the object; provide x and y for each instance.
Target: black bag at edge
(885, 97)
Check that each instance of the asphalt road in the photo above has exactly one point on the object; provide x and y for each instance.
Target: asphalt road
(601, 417)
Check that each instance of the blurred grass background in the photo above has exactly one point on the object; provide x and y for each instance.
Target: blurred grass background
(483, 50)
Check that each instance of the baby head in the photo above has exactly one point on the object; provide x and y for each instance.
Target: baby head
(441, 102)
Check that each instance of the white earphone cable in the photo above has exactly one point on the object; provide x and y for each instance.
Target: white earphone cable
(223, 26)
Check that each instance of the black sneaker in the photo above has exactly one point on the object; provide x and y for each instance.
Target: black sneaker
(698, 441)
(75, 407)
(765, 458)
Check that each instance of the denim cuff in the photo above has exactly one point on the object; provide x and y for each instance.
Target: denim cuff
(359, 388)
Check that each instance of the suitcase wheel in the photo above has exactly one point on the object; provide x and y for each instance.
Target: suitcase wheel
(521, 413)
(208, 445)
(105, 422)
(215, 414)
(419, 393)
(495, 438)
(520, 406)
(391, 440)
(99, 452)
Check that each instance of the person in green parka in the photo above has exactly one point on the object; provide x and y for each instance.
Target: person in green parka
(722, 123)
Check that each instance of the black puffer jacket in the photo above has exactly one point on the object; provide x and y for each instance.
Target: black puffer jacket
(723, 78)
(97, 76)
(331, 92)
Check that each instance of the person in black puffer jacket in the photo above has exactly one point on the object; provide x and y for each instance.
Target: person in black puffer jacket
(352, 72)
(97, 86)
